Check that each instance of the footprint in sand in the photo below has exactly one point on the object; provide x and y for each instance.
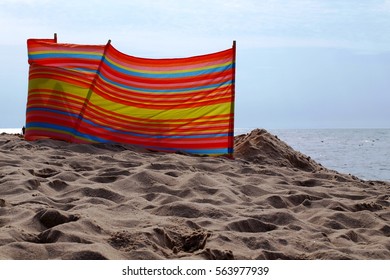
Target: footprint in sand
(250, 225)
(45, 172)
(50, 217)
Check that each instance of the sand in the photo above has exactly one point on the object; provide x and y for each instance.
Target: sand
(69, 201)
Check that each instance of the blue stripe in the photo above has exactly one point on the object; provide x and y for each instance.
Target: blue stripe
(52, 111)
(85, 70)
(92, 138)
(65, 55)
(211, 86)
(221, 151)
(70, 130)
(168, 75)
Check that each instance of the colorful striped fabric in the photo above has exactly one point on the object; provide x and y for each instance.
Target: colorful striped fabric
(94, 93)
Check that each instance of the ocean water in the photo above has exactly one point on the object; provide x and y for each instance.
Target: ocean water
(364, 153)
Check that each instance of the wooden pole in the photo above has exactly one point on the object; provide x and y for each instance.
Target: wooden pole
(234, 64)
(90, 91)
(231, 125)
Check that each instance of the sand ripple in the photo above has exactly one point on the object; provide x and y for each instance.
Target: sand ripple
(66, 201)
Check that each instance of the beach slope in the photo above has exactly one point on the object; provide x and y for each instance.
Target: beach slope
(61, 200)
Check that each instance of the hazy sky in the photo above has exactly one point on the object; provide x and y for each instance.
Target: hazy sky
(300, 63)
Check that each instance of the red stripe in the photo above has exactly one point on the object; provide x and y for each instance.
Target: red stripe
(167, 61)
(44, 100)
(43, 70)
(194, 143)
(36, 134)
(70, 80)
(131, 80)
(48, 117)
(67, 61)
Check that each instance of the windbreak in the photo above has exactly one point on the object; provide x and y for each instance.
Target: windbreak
(94, 93)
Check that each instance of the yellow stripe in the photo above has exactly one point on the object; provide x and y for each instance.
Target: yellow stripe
(153, 114)
(130, 111)
(49, 84)
(158, 122)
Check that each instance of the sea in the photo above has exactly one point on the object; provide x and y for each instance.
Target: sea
(364, 153)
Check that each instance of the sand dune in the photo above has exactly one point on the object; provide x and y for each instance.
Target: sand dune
(68, 201)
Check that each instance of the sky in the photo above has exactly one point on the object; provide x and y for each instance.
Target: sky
(300, 63)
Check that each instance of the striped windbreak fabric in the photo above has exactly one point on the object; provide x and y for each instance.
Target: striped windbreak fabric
(96, 94)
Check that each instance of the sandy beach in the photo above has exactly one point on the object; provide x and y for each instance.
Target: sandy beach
(60, 200)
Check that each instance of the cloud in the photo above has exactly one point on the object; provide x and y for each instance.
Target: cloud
(180, 25)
